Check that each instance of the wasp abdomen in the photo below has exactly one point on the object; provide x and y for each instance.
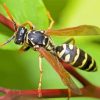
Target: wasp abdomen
(76, 57)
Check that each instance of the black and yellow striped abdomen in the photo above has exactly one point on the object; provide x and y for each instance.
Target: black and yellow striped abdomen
(76, 57)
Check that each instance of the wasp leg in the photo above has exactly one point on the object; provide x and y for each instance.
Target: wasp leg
(40, 80)
(24, 48)
(69, 94)
(70, 41)
(51, 19)
(30, 25)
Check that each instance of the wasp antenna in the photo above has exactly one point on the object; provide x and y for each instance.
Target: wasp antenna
(10, 16)
(9, 40)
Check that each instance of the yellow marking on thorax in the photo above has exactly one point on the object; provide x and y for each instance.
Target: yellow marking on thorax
(27, 39)
(48, 43)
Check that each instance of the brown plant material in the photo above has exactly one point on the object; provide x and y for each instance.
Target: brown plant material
(5, 21)
(88, 90)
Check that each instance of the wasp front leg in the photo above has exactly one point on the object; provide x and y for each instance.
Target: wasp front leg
(30, 25)
(70, 41)
(41, 74)
(24, 48)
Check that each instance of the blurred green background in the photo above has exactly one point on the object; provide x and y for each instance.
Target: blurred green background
(21, 71)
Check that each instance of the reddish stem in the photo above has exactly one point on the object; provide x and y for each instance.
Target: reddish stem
(50, 93)
(88, 90)
(5, 21)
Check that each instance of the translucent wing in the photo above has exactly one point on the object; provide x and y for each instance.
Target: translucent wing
(60, 70)
(82, 30)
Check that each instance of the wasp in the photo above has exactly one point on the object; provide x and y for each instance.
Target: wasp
(40, 40)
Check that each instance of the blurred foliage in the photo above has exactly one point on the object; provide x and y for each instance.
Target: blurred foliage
(56, 8)
(20, 71)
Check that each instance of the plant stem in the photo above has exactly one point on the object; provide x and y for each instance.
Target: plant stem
(5, 21)
(52, 93)
(72, 71)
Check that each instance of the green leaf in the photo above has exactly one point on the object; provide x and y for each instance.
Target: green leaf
(24, 10)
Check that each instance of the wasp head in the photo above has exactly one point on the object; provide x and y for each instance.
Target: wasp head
(20, 35)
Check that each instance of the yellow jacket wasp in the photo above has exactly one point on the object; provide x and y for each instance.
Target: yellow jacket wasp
(67, 52)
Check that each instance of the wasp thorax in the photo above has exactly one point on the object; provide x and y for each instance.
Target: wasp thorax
(20, 34)
(37, 39)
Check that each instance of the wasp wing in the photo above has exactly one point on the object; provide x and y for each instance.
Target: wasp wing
(53, 60)
(82, 30)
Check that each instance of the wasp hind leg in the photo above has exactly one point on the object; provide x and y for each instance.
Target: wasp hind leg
(70, 41)
(40, 80)
(51, 20)
(69, 94)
